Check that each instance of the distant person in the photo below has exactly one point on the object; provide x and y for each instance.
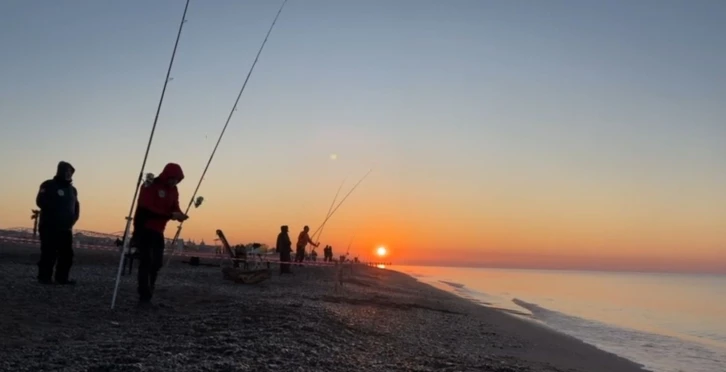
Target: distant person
(59, 212)
(302, 241)
(284, 247)
(158, 203)
(328, 253)
(313, 255)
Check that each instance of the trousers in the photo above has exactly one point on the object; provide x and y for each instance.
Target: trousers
(285, 257)
(150, 249)
(56, 251)
(300, 254)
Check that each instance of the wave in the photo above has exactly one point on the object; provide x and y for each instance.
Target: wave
(452, 284)
(656, 352)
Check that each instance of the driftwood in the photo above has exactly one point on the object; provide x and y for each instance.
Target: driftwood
(240, 276)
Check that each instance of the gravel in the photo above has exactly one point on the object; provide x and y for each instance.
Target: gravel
(378, 320)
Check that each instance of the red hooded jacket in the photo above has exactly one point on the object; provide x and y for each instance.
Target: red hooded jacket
(158, 200)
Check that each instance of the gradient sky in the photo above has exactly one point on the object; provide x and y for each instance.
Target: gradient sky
(515, 133)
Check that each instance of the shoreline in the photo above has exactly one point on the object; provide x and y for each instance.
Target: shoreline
(448, 287)
(379, 320)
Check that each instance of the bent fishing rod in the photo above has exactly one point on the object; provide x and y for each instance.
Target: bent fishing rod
(341, 202)
(126, 239)
(330, 208)
(221, 135)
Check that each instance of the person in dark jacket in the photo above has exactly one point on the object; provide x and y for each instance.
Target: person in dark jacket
(284, 247)
(59, 212)
(158, 203)
(326, 253)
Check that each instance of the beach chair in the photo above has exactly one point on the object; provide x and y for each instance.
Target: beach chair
(250, 261)
(243, 275)
(237, 256)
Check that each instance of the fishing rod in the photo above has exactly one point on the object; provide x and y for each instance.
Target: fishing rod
(342, 201)
(125, 244)
(347, 253)
(331, 207)
(234, 108)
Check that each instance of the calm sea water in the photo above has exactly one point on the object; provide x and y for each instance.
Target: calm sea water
(667, 322)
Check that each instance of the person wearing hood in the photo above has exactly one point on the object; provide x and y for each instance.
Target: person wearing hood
(158, 203)
(59, 212)
(284, 247)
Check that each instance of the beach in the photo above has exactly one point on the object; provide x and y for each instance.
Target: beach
(378, 320)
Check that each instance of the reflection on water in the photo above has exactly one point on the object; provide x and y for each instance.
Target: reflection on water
(381, 266)
(650, 311)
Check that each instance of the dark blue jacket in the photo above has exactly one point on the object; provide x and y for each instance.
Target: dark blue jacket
(58, 202)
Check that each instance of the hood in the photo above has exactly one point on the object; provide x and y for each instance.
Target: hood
(171, 170)
(62, 167)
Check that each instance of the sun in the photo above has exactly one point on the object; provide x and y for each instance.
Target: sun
(381, 251)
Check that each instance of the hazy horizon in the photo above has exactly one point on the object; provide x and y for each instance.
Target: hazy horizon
(556, 133)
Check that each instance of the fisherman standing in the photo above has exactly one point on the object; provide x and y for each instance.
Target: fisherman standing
(59, 212)
(158, 203)
(302, 241)
(284, 246)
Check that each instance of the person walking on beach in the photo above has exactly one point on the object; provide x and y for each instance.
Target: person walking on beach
(158, 203)
(302, 241)
(284, 247)
(59, 212)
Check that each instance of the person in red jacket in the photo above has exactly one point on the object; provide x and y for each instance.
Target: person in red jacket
(158, 203)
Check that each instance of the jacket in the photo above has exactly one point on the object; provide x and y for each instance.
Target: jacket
(158, 200)
(284, 245)
(58, 202)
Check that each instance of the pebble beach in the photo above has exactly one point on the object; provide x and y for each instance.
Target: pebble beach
(376, 320)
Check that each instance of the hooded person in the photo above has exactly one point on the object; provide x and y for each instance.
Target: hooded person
(158, 204)
(284, 247)
(59, 212)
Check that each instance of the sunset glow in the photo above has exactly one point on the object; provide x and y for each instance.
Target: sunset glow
(381, 251)
(606, 152)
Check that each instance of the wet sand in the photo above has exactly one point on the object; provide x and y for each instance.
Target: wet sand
(379, 320)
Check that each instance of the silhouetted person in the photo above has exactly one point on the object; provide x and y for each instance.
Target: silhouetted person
(59, 212)
(328, 254)
(158, 203)
(302, 241)
(284, 247)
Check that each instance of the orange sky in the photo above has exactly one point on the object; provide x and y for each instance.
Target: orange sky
(500, 225)
(607, 150)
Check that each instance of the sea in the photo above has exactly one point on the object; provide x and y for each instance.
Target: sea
(666, 322)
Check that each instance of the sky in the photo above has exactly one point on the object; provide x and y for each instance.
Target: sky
(505, 133)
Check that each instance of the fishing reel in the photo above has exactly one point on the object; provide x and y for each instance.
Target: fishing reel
(148, 179)
(198, 201)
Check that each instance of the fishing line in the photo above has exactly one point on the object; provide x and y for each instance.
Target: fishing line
(342, 201)
(331, 207)
(234, 108)
(125, 244)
